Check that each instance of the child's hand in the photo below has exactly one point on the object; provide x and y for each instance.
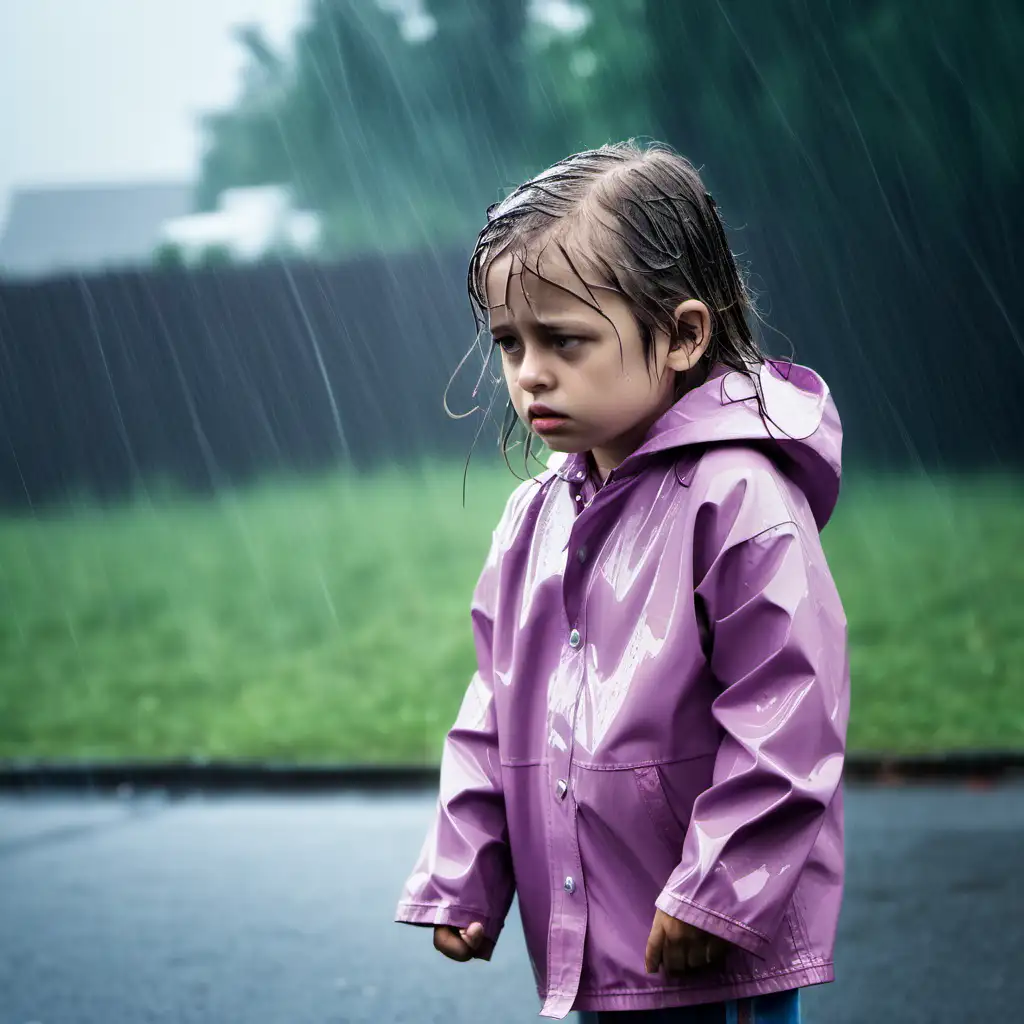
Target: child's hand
(463, 943)
(678, 946)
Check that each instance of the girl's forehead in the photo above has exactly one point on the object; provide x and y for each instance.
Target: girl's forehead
(530, 289)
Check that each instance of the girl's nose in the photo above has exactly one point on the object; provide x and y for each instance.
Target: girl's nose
(534, 372)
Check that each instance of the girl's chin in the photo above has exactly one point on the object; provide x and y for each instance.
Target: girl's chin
(563, 445)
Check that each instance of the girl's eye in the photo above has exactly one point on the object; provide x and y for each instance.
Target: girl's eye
(562, 342)
(508, 345)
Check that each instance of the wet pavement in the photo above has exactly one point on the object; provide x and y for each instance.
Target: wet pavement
(278, 911)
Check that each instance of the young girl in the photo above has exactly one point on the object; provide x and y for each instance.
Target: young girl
(650, 752)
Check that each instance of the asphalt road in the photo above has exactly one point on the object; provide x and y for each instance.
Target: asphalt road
(278, 911)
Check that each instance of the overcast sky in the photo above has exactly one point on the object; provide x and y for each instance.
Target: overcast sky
(108, 90)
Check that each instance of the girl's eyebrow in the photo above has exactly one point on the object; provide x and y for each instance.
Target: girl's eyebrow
(551, 323)
(567, 324)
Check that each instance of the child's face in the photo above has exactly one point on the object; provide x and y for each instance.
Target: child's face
(560, 353)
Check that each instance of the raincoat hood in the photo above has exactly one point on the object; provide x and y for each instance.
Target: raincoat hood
(795, 423)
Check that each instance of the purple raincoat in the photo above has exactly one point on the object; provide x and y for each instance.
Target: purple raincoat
(659, 715)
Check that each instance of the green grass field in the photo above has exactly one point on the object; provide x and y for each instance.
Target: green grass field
(327, 620)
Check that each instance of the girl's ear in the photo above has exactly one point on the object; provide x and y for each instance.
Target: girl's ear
(693, 335)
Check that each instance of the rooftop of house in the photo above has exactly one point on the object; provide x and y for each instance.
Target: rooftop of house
(76, 228)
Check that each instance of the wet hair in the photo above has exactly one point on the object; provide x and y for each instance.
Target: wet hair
(639, 217)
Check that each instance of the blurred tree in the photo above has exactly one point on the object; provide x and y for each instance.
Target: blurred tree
(395, 141)
(217, 255)
(475, 87)
(169, 256)
(244, 144)
(588, 81)
(786, 96)
(798, 113)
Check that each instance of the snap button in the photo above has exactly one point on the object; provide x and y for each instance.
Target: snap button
(562, 788)
(570, 885)
(574, 638)
(582, 553)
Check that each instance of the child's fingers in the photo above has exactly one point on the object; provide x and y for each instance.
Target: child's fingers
(705, 951)
(448, 941)
(677, 956)
(653, 955)
(698, 954)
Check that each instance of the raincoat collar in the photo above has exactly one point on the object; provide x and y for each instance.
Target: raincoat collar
(796, 422)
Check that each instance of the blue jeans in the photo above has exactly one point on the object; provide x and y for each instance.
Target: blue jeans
(777, 1008)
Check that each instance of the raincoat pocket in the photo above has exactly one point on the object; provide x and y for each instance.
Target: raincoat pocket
(632, 825)
(628, 824)
(652, 792)
(669, 790)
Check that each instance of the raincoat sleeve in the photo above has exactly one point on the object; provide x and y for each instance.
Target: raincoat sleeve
(776, 643)
(464, 870)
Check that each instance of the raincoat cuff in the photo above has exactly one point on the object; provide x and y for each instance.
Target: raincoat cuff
(714, 923)
(449, 913)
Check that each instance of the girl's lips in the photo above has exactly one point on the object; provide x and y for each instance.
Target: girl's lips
(548, 424)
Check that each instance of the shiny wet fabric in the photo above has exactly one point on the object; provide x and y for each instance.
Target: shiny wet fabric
(659, 714)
